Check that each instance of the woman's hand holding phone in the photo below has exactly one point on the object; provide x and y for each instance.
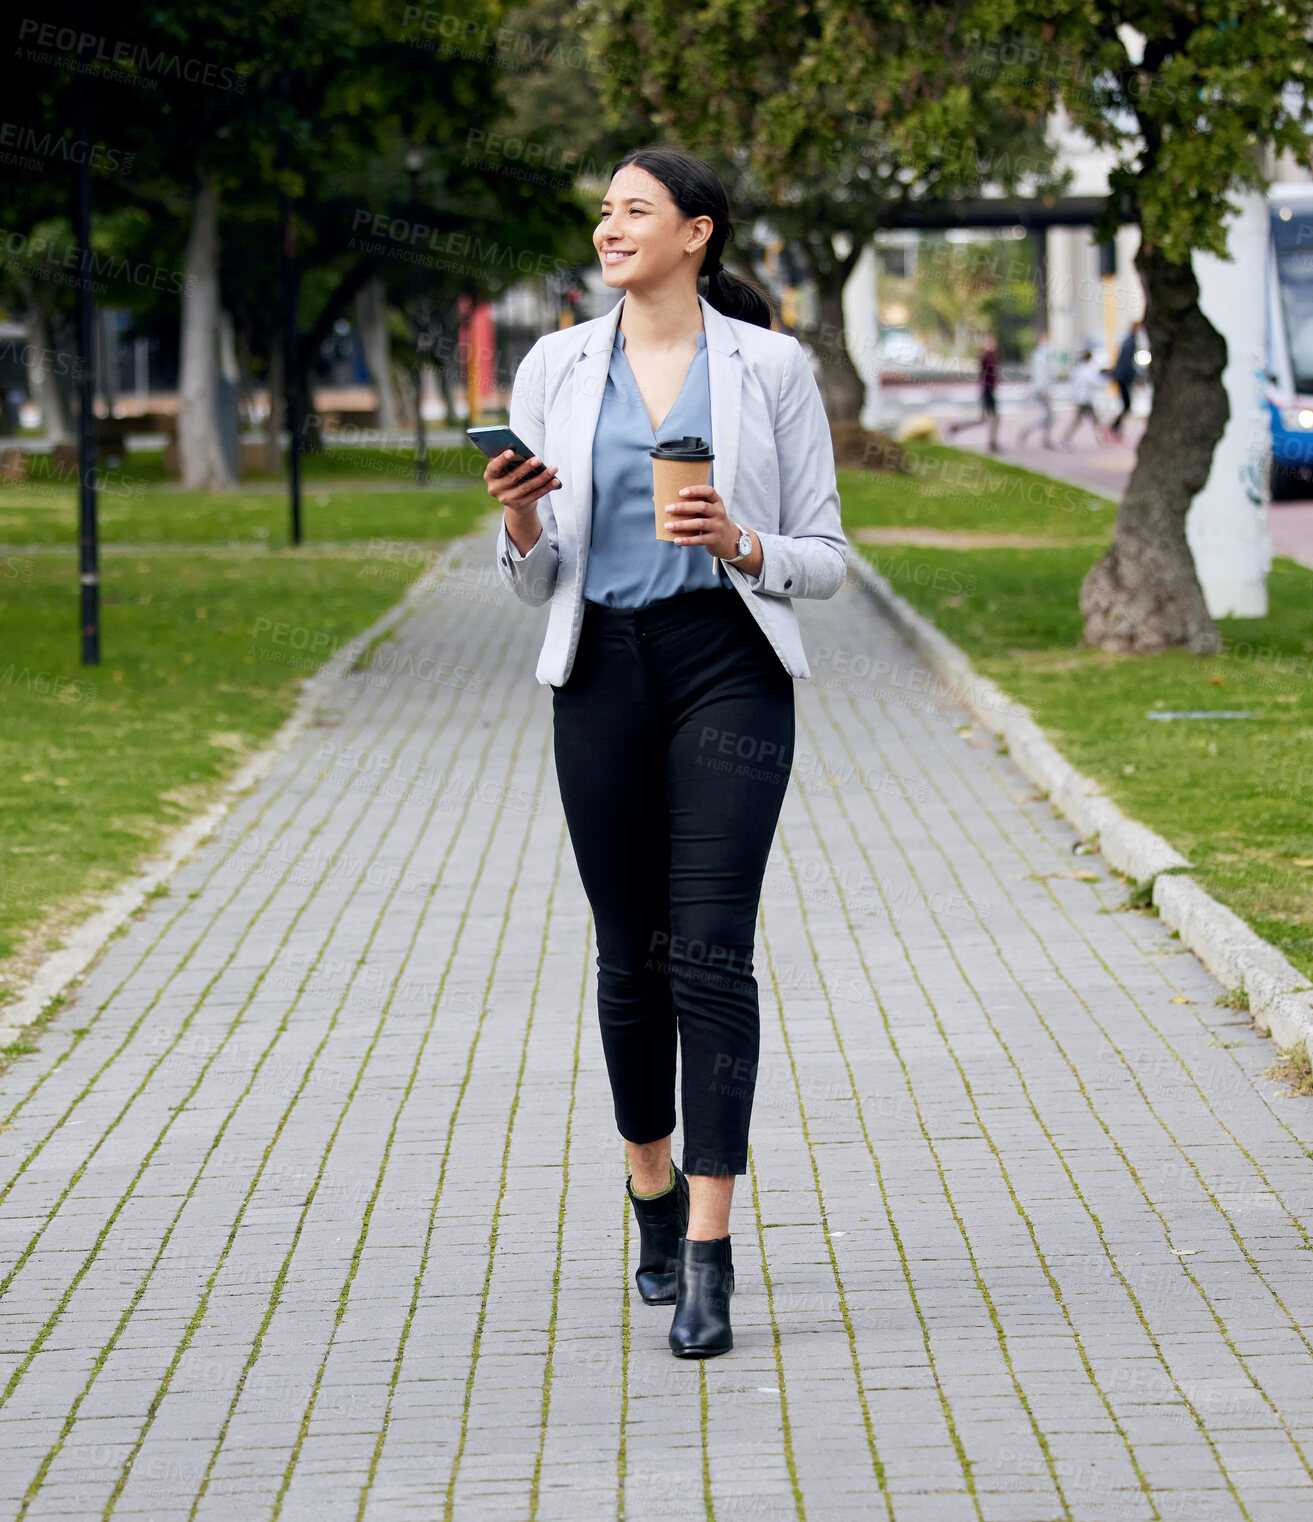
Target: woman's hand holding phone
(516, 483)
(518, 487)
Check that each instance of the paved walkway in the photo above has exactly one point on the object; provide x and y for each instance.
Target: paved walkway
(1103, 468)
(312, 1206)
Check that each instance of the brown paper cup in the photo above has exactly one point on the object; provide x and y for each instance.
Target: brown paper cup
(668, 476)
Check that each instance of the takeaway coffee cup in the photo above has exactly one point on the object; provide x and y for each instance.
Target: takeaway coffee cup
(677, 463)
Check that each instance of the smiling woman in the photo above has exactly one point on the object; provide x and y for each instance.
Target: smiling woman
(671, 644)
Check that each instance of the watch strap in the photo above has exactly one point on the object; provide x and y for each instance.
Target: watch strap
(742, 533)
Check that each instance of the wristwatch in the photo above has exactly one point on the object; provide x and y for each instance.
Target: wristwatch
(744, 546)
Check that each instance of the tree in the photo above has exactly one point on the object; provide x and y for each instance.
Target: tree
(38, 281)
(967, 288)
(224, 109)
(372, 321)
(1190, 99)
(204, 463)
(836, 116)
(366, 226)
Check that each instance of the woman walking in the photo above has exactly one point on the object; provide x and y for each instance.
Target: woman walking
(671, 663)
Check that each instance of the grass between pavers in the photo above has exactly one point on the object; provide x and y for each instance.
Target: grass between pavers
(1235, 796)
(204, 647)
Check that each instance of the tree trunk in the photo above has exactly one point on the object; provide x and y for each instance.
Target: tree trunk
(312, 431)
(228, 365)
(245, 381)
(229, 394)
(201, 456)
(401, 389)
(1143, 595)
(843, 387)
(446, 353)
(103, 347)
(277, 419)
(55, 415)
(451, 417)
(372, 319)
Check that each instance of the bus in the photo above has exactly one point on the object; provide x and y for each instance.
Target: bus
(1290, 339)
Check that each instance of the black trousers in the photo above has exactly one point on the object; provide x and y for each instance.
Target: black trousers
(1124, 388)
(673, 740)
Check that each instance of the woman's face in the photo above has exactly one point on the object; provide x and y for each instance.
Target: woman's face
(642, 238)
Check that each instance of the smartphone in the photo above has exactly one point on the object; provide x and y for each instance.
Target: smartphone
(493, 441)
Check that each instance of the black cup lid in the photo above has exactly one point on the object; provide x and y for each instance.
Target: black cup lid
(690, 447)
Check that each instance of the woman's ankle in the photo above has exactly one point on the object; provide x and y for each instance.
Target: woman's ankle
(651, 1167)
(652, 1194)
(711, 1199)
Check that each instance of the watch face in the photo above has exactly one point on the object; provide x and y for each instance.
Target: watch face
(745, 544)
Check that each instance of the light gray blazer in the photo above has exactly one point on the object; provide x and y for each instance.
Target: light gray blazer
(774, 472)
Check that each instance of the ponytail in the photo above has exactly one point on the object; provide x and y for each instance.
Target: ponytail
(696, 189)
(738, 297)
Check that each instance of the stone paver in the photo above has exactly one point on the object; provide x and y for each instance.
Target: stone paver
(312, 1205)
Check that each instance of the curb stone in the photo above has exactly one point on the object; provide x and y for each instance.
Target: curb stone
(1280, 997)
(62, 968)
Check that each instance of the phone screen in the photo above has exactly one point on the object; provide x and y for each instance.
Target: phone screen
(493, 441)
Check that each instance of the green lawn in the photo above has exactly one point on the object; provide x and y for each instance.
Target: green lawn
(1235, 796)
(954, 490)
(132, 512)
(204, 643)
(139, 468)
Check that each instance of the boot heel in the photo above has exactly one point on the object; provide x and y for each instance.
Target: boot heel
(704, 1281)
(662, 1223)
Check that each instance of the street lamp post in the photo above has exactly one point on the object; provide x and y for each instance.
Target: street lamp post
(88, 532)
(291, 366)
(292, 397)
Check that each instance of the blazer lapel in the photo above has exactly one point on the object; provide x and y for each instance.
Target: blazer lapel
(587, 389)
(725, 371)
(725, 377)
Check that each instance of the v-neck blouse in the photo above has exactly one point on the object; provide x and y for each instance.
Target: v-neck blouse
(628, 565)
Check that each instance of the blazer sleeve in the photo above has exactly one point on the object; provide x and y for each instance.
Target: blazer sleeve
(531, 577)
(807, 558)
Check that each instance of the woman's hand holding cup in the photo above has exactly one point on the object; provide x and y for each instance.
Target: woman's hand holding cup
(701, 519)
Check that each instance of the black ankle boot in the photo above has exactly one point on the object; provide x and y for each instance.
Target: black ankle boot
(704, 1281)
(662, 1223)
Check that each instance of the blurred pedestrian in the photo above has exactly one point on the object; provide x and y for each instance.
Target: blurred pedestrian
(988, 404)
(1084, 383)
(1041, 386)
(1124, 373)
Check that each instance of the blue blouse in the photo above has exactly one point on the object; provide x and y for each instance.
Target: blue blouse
(627, 564)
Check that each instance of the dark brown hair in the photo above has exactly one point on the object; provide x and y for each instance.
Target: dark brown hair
(696, 189)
